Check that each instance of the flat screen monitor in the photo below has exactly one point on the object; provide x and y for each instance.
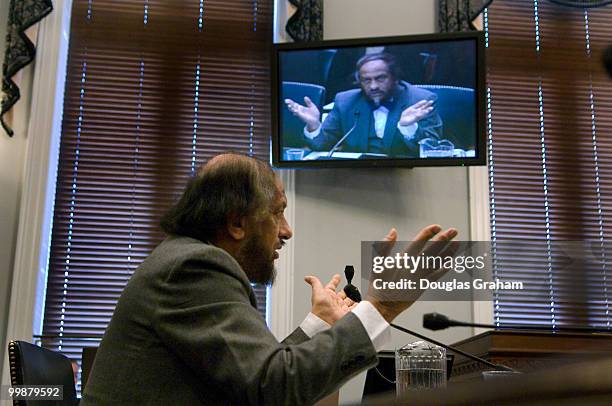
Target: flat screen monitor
(395, 101)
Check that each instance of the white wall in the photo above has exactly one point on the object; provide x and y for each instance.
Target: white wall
(12, 153)
(29, 162)
(377, 18)
(336, 209)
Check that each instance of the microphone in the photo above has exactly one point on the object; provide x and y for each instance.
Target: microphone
(335, 147)
(497, 367)
(353, 293)
(607, 59)
(436, 321)
(351, 290)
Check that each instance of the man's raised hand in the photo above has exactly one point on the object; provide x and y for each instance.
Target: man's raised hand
(429, 241)
(327, 304)
(309, 113)
(416, 112)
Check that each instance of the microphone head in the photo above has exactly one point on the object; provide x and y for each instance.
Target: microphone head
(349, 272)
(607, 59)
(435, 321)
(351, 290)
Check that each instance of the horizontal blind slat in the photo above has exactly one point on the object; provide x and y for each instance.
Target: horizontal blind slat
(551, 155)
(142, 102)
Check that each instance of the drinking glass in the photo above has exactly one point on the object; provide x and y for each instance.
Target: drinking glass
(420, 365)
(433, 148)
(294, 154)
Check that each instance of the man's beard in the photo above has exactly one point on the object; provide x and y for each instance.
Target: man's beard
(256, 265)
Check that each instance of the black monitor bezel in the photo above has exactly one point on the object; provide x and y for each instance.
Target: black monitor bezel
(479, 159)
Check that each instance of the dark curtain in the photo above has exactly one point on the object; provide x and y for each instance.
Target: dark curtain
(20, 50)
(307, 22)
(582, 3)
(458, 15)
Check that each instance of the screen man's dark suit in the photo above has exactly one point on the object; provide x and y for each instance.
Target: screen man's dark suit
(186, 331)
(352, 106)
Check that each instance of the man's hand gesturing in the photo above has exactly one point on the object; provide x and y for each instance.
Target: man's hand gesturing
(416, 112)
(327, 304)
(309, 113)
(430, 240)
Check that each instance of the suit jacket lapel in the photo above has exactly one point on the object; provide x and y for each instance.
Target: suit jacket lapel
(402, 102)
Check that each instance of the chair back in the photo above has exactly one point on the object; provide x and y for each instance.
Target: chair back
(309, 66)
(457, 108)
(292, 128)
(34, 365)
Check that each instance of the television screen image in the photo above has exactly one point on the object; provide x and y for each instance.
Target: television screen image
(400, 101)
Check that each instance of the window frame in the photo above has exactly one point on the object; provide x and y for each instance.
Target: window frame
(30, 269)
(42, 153)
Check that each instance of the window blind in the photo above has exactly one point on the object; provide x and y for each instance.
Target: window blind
(154, 89)
(550, 159)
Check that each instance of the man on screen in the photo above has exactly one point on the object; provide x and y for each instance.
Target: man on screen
(385, 116)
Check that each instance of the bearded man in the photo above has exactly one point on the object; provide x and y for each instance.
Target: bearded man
(385, 115)
(186, 329)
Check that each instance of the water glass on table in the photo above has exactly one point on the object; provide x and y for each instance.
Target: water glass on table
(420, 365)
(294, 154)
(434, 148)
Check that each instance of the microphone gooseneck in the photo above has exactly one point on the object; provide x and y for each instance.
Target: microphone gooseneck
(436, 321)
(497, 367)
(345, 136)
(353, 293)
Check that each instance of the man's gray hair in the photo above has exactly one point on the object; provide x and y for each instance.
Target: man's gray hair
(228, 185)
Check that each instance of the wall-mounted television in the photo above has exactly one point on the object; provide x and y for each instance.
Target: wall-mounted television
(394, 101)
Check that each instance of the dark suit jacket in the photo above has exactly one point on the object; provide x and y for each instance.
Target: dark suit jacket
(352, 105)
(186, 331)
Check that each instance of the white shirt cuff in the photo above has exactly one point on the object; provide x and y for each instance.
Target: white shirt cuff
(312, 134)
(313, 324)
(408, 131)
(376, 326)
